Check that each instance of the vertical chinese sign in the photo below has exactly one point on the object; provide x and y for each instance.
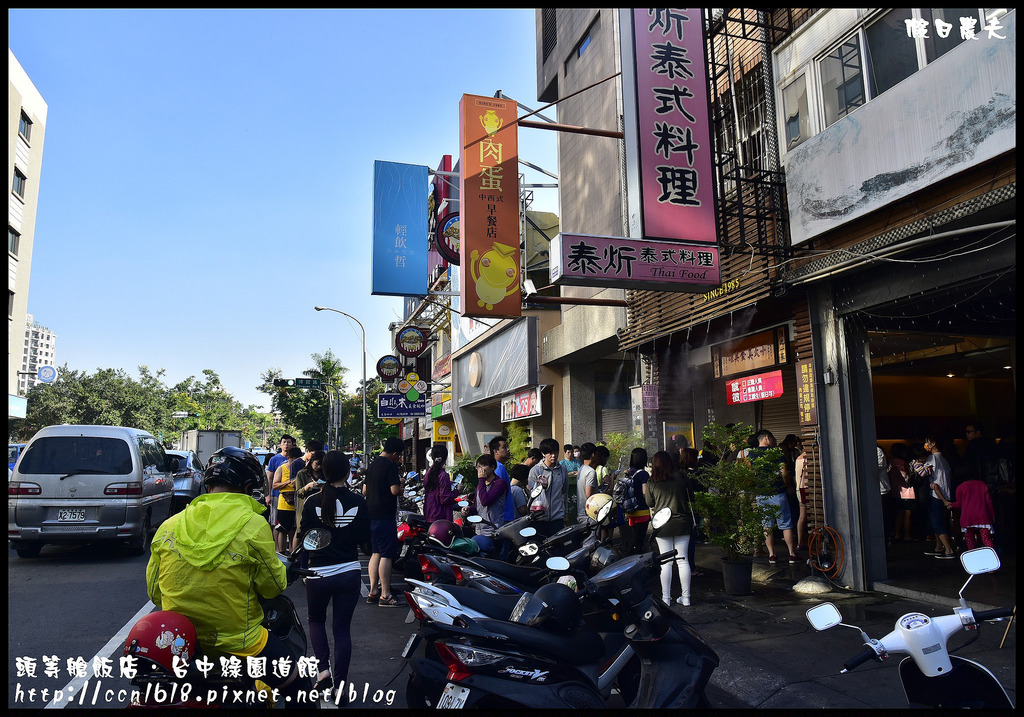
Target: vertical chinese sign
(668, 125)
(489, 208)
(399, 229)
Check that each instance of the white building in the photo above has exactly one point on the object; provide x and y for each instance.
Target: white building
(26, 126)
(40, 350)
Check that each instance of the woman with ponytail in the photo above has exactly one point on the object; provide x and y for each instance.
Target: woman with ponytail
(344, 515)
(438, 496)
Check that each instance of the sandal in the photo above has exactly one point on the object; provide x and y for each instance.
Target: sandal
(388, 601)
(372, 599)
(697, 573)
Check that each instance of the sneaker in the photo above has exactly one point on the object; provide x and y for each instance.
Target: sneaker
(372, 599)
(794, 559)
(772, 560)
(946, 556)
(389, 601)
(684, 601)
(936, 553)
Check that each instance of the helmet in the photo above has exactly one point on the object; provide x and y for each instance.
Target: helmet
(568, 580)
(599, 507)
(237, 468)
(554, 607)
(444, 532)
(161, 636)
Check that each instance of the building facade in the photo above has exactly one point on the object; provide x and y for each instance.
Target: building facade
(26, 128)
(865, 184)
(40, 350)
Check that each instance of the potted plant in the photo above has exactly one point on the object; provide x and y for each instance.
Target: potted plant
(733, 520)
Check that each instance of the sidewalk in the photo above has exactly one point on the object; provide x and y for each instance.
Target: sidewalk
(772, 658)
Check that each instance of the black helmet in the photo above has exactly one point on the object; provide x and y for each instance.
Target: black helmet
(554, 607)
(237, 468)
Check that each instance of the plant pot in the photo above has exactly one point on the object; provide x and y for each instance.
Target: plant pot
(737, 575)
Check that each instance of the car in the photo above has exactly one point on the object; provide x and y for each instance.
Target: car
(188, 478)
(263, 455)
(13, 451)
(88, 484)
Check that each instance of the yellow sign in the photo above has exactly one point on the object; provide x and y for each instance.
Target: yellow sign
(444, 431)
(392, 421)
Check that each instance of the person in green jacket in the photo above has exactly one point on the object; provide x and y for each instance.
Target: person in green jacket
(212, 561)
(667, 489)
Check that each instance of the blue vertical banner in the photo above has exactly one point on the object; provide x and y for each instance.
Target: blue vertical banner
(399, 229)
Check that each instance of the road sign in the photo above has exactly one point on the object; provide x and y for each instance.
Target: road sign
(47, 374)
(307, 383)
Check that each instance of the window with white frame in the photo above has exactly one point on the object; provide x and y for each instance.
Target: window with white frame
(884, 49)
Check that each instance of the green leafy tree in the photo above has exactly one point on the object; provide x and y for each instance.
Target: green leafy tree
(733, 520)
(108, 397)
(620, 447)
(518, 441)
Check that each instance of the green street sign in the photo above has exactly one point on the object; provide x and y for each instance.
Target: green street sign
(307, 383)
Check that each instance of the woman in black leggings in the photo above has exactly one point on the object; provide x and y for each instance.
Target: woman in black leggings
(343, 514)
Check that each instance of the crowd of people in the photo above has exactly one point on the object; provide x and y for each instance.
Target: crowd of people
(926, 496)
(934, 494)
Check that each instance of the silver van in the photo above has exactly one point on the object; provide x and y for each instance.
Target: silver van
(81, 484)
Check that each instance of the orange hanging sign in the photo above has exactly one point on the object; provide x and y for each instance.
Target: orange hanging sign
(489, 208)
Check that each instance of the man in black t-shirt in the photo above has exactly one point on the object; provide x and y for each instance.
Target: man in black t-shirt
(382, 487)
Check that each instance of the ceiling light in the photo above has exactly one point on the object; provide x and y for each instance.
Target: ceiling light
(949, 375)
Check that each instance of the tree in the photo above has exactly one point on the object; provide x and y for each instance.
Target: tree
(109, 397)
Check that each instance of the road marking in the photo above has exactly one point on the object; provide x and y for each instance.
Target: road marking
(76, 684)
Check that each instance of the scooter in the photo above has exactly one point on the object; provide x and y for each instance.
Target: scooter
(629, 639)
(931, 676)
(175, 672)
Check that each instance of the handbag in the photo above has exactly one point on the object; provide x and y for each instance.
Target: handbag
(907, 493)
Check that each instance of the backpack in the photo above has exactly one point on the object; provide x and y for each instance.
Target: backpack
(624, 495)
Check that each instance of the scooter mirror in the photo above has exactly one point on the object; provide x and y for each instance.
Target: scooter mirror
(980, 560)
(463, 503)
(528, 532)
(824, 616)
(475, 519)
(558, 564)
(316, 539)
(660, 518)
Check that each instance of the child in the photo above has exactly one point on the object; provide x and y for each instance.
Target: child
(977, 517)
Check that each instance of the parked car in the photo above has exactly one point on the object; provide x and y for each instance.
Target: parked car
(83, 484)
(263, 455)
(188, 478)
(13, 451)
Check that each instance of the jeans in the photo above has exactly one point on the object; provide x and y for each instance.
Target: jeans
(679, 543)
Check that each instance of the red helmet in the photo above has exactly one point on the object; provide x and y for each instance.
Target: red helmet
(160, 636)
(444, 532)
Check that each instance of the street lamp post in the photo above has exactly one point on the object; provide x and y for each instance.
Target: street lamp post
(366, 451)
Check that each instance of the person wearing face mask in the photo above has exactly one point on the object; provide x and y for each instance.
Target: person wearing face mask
(551, 476)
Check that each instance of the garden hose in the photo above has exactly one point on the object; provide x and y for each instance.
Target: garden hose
(826, 551)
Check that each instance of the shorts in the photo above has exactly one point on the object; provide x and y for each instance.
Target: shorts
(286, 519)
(384, 538)
(785, 519)
(937, 516)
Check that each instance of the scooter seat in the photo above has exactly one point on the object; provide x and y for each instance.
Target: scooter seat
(498, 607)
(520, 574)
(581, 648)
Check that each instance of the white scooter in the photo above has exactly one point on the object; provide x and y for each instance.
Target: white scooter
(931, 676)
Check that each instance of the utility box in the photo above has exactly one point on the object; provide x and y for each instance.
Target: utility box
(206, 443)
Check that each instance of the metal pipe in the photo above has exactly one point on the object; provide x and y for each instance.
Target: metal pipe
(366, 451)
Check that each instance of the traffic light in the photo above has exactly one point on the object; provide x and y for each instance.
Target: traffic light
(284, 383)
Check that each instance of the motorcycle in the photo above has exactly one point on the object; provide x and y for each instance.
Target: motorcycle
(629, 639)
(175, 672)
(931, 676)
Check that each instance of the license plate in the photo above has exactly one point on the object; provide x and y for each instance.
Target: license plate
(70, 514)
(453, 697)
(411, 645)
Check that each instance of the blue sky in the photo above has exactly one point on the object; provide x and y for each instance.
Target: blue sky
(207, 174)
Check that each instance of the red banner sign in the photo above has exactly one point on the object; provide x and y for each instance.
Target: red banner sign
(759, 387)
